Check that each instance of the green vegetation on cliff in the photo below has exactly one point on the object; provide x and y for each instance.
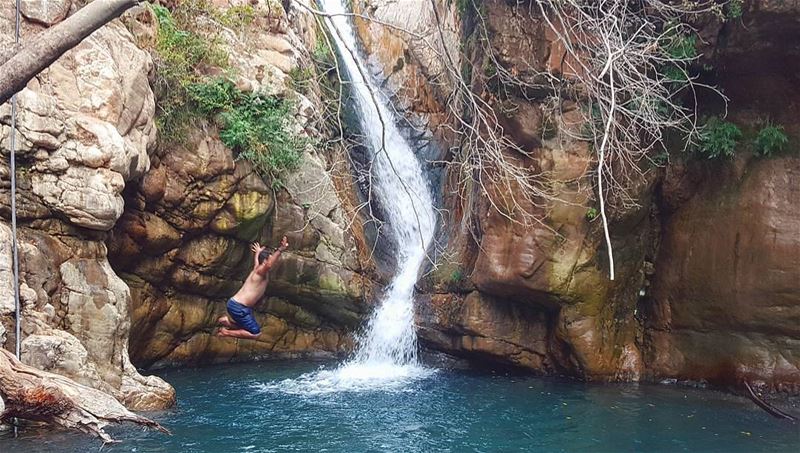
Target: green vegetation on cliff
(734, 9)
(187, 51)
(718, 138)
(180, 50)
(254, 125)
(237, 16)
(770, 139)
(680, 50)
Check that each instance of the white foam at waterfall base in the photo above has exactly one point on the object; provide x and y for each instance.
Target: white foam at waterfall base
(386, 353)
(350, 377)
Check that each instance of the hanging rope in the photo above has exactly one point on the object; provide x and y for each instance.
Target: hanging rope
(13, 168)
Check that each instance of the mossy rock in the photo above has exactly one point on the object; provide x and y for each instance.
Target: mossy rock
(244, 215)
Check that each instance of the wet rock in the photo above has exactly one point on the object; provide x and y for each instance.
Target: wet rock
(723, 307)
(487, 329)
(550, 271)
(725, 300)
(406, 66)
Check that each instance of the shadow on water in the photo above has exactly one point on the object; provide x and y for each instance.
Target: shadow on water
(243, 408)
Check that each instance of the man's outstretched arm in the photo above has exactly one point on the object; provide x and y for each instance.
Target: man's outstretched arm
(264, 267)
(256, 248)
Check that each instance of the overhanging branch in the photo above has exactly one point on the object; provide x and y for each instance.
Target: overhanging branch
(22, 63)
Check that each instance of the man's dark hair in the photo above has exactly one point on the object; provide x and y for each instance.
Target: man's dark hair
(264, 254)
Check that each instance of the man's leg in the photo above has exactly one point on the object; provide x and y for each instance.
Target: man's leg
(225, 321)
(238, 333)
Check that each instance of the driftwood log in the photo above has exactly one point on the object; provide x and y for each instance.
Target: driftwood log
(770, 409)
(32, 394)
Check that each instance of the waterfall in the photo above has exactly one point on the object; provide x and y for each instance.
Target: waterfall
(387, 349)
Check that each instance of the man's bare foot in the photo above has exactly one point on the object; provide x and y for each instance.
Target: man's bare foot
(224, 321)
(237, 333)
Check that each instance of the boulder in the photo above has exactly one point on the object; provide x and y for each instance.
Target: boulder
(45, 12)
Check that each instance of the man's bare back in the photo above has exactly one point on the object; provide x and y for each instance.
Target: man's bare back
(253, 288)
(240, 322)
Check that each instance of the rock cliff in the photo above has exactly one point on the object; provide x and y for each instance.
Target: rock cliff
(182, 244)
(706, 285)
(85, 129)
(129, 248)
(725, 299)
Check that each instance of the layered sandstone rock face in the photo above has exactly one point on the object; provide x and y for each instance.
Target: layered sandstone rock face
(85, 129)
(716, 301)
(182, 244)
(409, 69)
(726, 294)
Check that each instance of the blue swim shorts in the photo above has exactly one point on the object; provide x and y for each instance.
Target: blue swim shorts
(243, 316)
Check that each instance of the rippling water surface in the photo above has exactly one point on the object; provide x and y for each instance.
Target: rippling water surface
(265, 408)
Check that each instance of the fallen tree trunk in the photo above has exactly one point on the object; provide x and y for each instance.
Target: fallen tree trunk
(770, 409)
(31, 394)
(41, 50)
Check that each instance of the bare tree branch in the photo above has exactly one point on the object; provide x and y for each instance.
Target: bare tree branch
(612, 70)
(44, 48)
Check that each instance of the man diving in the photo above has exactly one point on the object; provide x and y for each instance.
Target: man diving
(240, 322)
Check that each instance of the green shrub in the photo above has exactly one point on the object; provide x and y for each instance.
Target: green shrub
(719, 138)
(679, 47)
(214, 96)
(770, 139)
(734, 9)
(591, 214)
(180, 49)
(674, 73)
(237, 17)
(254, 125)
(661, 159)
(489, 68)
(462, 6)
(322, 53)
(456, 276)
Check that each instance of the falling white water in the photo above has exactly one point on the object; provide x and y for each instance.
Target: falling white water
(387, 349)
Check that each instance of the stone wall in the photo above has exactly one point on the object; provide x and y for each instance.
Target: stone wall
(725, 304)
(127, 247)
(550, 274)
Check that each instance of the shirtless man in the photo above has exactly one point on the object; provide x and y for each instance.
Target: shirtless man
(240, 322)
